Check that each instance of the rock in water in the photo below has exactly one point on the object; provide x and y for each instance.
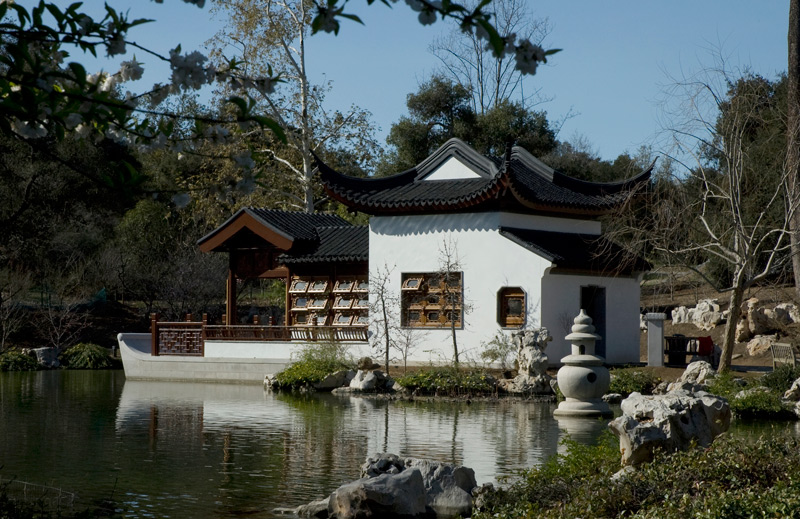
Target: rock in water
(670, 422)
(387, 495)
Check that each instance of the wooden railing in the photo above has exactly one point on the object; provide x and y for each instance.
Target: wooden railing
(188, 337)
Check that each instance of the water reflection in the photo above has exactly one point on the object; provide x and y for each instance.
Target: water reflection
(169, 449)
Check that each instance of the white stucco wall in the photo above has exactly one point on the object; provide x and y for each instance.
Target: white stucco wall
(562, 296)
(411, 244)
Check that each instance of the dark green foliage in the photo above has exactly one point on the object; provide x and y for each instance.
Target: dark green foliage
(441, 109)
(448, 381)
(13, 360)
(86, 356)
(781, 378)
(734, 477)
(726, 385)
(316, 362)
(761, 404)
(629, 380)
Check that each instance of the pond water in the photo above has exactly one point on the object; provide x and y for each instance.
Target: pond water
(171, 449)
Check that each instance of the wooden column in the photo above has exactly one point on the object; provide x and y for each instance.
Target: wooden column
(230, 299)
(288, 306)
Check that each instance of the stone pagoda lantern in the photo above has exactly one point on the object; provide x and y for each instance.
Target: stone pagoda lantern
(583, 379)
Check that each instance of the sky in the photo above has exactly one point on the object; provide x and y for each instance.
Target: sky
(617, 59)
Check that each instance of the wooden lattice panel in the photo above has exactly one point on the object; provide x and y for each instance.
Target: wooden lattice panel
(180, 341)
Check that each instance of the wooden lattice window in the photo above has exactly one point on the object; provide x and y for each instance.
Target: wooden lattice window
(511, 307)
(432, 300)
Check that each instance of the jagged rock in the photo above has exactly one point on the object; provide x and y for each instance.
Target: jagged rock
(760, 344)
(448, 488)
(317, 509)
(642, 323)
(334, 380)
(387, 495)
(680, 315)
(612, 398)
(671, 422)
(270, 381)
(367, 364)
(661, 388)
(47, 357)
(532, 361)
(743, 331)
(787, 313)
(797, 409)
(705, 315)
(793, 393)
(696, 375)
(431, 487)
(371, 381)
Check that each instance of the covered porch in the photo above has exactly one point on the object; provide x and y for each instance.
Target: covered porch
(320, 261)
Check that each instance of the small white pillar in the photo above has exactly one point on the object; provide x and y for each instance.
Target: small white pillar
(655, 338)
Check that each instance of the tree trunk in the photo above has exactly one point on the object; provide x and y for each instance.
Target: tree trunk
(793, 137)
(734, 312)
(385, 332)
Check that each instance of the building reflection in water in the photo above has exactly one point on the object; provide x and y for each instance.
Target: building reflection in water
(232, 442)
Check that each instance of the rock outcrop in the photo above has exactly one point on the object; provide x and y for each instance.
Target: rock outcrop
(391, 486)
(532, 378)
(706, 315)
(695, 377)
(673, 421)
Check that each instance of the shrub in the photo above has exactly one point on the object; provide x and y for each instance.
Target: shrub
(629, 380)
(761, 402)
(449, 381)
(781, 378)
(315, 362)
(13, 360)
(86, 355)
(734, 477)
(499, 349)
(726, 385)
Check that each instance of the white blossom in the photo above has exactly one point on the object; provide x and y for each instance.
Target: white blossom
(116, 45)
(158, 94)
(83, 130)
(28, 130)
(130, 70)
(72, 120)
(244, 160)
(329, 23)
(427, 17)
(528, 57)
(188, 71)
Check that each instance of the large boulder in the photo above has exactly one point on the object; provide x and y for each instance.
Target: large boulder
(388, 495)
(793, 393)
(705, 315)
(760, 344)
(334, 380)
(673, 421)
(448, 488)
(369, 381)
(47, 357)
(696, 375)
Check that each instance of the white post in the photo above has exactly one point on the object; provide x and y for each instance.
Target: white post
(655, 338)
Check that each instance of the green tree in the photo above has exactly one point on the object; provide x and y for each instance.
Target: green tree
(441, 110)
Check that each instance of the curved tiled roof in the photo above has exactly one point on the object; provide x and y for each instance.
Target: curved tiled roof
(346, 243)
(577, 252)
(518, 179)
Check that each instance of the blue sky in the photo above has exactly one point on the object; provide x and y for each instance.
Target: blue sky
(617, 56)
